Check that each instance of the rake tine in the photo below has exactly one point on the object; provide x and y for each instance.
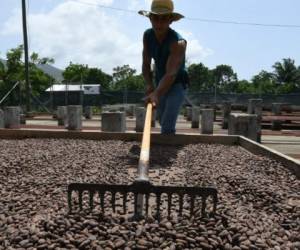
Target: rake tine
(147, 204)
(158, 206)
(91, 200)
(192, 205)
(135, 202)
(80, 200)
(215, 200)
(113, 201)
(180, 204)
(203, 206)
(102, 201)
(124, 202)
(169, 204)
(70, 200)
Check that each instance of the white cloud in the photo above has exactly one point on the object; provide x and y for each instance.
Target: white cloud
(102, 2)
(195, 51)
(79, 33)
(13, 25)
(138, 4)
(85, 34)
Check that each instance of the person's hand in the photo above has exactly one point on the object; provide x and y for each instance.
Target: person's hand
(152, 98)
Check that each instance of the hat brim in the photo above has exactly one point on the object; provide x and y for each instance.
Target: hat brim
(175, 16)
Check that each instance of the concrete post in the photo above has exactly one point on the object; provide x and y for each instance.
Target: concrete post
(185, 112)
(255, 106)
(243, 124)
(140, 114)
(1, 118)
(226, 114)
(276, 109)
(88, 112)
(22, 119)
(12, 117)
(113, 122)
(189, 113)
(195, 117)
(207, 121)
(74, 117)
(22, 116)
(62, 116)
(214, 107)
(131, 110)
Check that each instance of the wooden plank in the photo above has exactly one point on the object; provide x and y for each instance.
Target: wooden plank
(179, 139)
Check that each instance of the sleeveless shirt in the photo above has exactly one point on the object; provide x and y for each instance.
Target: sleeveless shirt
(160, 53)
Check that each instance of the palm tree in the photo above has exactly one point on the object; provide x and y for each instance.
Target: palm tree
(286, 72)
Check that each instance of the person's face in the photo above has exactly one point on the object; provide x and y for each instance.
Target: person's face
(160, 23)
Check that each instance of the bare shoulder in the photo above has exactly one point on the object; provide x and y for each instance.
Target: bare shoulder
(178, 46)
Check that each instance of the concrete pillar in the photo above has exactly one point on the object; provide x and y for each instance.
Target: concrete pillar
(276, 109)
(1, 118)
(214, 107)
(189, 113)
(140, 114)
(54, 115)
(130, 110)
(22, 119)
(243, 124)
(74, 117)
(185, 112)
(88, 112)
(226, 114)
(12, 117)
(195, 117)
(23, 116)
(62, 116)
(113, 122)
(255, 106)
(207, 121)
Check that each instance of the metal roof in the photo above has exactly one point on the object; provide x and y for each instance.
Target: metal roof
(86, 88)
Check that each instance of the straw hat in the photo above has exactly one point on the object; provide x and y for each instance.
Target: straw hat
(162, 7)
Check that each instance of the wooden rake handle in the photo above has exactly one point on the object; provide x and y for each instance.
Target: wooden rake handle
(143, 167)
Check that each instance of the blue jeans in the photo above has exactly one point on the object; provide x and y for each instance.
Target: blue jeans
(169, 107)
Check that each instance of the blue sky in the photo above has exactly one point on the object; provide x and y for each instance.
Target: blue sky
(82, 31)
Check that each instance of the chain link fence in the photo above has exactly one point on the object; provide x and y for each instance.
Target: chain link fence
(48, 101)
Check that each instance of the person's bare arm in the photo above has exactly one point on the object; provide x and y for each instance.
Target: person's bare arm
(146, 69)
(173, 64)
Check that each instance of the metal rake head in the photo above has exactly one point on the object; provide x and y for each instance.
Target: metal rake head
(145, 189)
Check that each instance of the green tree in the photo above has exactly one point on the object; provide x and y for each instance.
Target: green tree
(15, 67)
(244, 86)
(200, 77)
(124, 78)
(225, 78)
(35, 59)
(79, 73)
(287, 75)
(264, 83)
(75, 73)
(13, 71)
(136, 83)
(97, 76)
